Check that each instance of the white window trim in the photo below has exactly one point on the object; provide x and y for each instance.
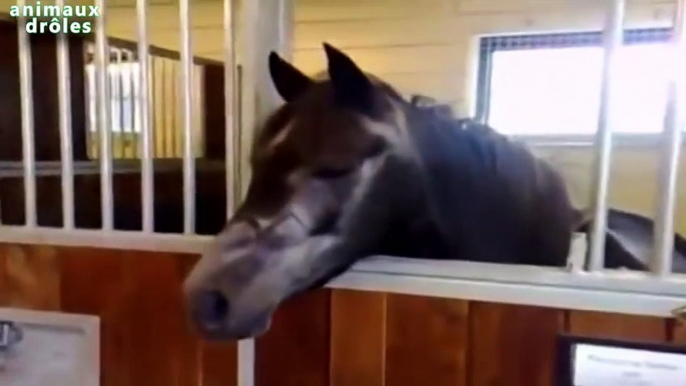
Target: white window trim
(620, 140)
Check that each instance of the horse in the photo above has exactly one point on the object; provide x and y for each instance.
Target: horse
(347, 168)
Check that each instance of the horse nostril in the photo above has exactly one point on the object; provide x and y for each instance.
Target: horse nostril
(214, 307)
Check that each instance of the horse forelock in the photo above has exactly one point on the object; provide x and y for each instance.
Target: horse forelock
(385, 119)
(274, 127)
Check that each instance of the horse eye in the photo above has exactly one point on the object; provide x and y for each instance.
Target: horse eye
(330, 173)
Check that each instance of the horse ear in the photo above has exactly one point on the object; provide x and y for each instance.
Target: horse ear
(352, 88)
(289, 82)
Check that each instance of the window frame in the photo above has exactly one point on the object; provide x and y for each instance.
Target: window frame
(489, 44)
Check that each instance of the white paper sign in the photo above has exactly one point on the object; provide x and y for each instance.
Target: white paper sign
(614, 366)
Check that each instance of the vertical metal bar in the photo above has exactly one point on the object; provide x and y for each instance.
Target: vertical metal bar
(67, 155)
(247, 97)
(674, 124)
(123, 69)
(246, 362)
(175, 116)
(153, 99)
(165, 97)
(90, 95)
(105, 130)
(187, 82)
(229, 105)
(27, 122)
(115, 98)
(603, 146)
(133, 101)
(147, 184)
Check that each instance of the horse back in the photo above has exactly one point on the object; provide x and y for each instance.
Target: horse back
(492, 199)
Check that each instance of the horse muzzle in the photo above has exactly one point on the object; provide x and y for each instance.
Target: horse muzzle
(211, 314)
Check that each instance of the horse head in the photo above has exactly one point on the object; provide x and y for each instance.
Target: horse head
(312, 166)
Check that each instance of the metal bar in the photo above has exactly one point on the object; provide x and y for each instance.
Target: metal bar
(133, 101)
(27, 121)
(67, 155)
(154, 113)
(164, 141)
(176, 153)
(27, 110)
(250, 32)
(246, 362)
(229, 105)
(147, 184)
(250, 14)
(116, 98)
(104, 128)
(603, 146)
(90, 95)
(123, 70)
(674, 124)
(187, 109)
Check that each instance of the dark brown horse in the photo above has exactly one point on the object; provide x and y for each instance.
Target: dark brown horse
(347, 168)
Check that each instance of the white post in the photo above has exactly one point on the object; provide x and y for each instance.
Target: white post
(246, 362)
(603, 147)
(250, 59)
(27, 123)
(142, 100)
(67, 156)
(674, 124)
(104, 128)
(187, 113)
(230, 105)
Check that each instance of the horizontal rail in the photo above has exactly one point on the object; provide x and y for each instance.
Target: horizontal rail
(566, 298)
(158, 51)
(112, 239)
(631, 292)
(625, 281)
(12, 169)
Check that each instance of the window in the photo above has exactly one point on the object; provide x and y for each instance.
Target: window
(550, 84)
(123, 86)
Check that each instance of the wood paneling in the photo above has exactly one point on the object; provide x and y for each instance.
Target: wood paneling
(513, 345)
(618, 326)
(358, 338)
(296, 350)
(31, 278)
(426, 341)
(325, 337)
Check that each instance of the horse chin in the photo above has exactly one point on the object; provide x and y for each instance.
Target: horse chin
(253, 329)
(257, 329)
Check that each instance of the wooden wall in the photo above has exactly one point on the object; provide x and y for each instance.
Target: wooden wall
(326, 337)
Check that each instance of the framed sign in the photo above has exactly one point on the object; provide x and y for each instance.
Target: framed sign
(585, 361)
(45, 348)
